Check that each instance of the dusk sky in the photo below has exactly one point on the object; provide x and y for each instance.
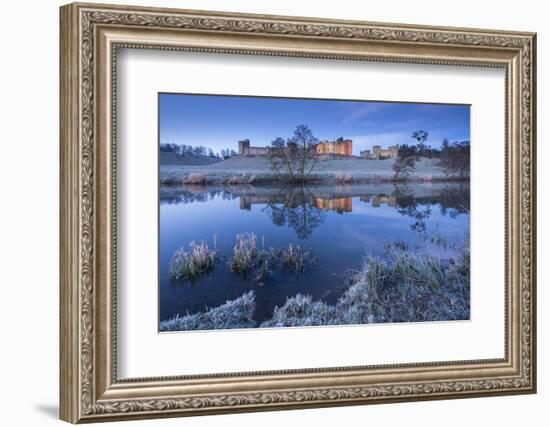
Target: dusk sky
(220, 121)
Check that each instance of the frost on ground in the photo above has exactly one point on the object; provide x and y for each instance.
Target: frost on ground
(233, 314)
(402, 286)
(258, 171)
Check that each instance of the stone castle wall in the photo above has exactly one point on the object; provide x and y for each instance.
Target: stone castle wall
(246, 150)
(390, 152)
(340, 147)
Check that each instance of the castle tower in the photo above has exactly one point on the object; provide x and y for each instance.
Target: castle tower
(244, 147)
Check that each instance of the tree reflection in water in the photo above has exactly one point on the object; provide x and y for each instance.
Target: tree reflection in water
(295, 207)
(302, 208)
(452, 201)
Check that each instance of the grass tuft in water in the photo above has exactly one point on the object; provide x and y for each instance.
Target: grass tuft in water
(265, 265)
(297, 258)
(245, 253)
(249, 257)
(189, 265)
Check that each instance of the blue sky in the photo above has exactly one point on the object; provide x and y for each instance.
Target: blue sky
(220, 121)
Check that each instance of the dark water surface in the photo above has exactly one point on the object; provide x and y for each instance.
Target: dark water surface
(339, 224)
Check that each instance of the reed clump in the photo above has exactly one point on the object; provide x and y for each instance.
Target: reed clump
(245, 252)
(296, 258)
(251, 258)
(191, 264)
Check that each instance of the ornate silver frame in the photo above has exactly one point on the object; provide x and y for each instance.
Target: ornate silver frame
(90, 36)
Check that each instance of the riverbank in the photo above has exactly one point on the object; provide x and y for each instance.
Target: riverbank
(401, 286)
(258, 171)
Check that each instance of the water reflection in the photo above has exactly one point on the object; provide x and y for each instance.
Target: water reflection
(302, 208)
(379, 199)
(339, 224)
(296, 207)
(451, 199)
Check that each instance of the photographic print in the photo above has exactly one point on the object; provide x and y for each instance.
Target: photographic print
(290, 212)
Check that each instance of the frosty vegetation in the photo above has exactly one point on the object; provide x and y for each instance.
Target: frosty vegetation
(233, 314)
(401, 286)
(191, 264)
(249, 257)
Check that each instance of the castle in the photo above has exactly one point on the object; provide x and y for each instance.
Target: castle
(379, 153)
(246, 150)
(341, 146)
(328, 149)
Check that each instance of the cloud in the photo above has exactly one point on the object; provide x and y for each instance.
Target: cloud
(361, 112)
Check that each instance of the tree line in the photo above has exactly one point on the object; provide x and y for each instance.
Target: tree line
(198, 150)
(453, 157)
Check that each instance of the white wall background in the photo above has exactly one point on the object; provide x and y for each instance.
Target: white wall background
(29, 171)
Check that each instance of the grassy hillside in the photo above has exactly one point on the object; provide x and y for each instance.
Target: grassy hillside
(257, 170)
(169, 158)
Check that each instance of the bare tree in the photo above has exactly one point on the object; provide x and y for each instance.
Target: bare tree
(455, 158)
(421, 137)
(405, 161)
(296, 158)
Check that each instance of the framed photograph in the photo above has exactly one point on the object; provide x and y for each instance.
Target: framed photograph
(266, 212)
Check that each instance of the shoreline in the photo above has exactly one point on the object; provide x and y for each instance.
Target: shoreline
(208, 179)
(258, 171)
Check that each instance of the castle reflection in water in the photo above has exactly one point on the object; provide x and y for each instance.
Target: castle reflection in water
(334, 204)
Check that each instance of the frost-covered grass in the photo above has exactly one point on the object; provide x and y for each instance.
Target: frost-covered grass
(258, 170)
(172, 181)
(265, 265)
(296, 258)
(240, 179)
(233, 314)
(245, 252)
(401, 286)
(251, 258)
(248, 258)
(191, 264)
(342, 178)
